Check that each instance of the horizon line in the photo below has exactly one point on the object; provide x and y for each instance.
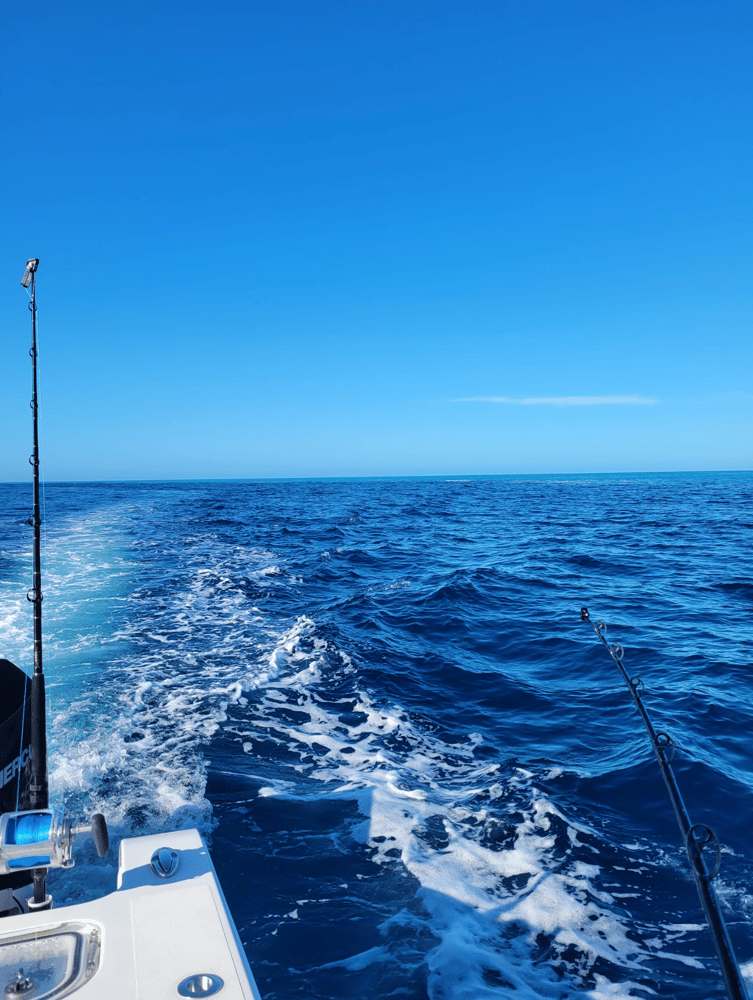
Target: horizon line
(427, 475)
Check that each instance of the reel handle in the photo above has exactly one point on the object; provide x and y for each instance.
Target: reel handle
(100, 835)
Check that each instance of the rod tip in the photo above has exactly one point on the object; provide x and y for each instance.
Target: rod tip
(31, 265)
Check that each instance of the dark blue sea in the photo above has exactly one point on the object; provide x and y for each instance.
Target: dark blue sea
(420, 774)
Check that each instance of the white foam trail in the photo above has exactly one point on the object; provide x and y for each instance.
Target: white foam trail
(435, 809)
(141, 668)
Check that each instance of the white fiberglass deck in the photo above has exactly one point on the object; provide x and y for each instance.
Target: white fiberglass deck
(152, 939)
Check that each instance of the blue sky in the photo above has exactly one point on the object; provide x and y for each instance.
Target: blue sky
(361, 238)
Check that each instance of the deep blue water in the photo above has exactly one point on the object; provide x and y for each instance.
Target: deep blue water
(420, 773)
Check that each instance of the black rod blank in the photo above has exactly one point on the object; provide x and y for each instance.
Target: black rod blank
(38, 786)
(38, 783)
(695, 836)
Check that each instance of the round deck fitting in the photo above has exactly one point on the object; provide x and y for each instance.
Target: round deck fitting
(202, 985)
(164, 862)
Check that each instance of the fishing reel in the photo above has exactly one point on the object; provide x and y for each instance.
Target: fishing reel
(43, 838)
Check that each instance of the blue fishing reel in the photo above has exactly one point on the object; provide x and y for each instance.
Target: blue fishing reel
(43, 838)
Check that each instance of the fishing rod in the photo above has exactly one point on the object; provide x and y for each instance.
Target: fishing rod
(695, 835)
(33, 837)
(38, 788)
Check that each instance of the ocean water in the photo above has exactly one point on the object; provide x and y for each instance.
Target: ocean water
(420, 773)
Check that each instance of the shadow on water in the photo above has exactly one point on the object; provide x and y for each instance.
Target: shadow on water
(326, 910)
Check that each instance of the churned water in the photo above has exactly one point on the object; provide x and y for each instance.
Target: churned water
(420, 774)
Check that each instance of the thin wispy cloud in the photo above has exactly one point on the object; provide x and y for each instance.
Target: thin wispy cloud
(563, 400)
